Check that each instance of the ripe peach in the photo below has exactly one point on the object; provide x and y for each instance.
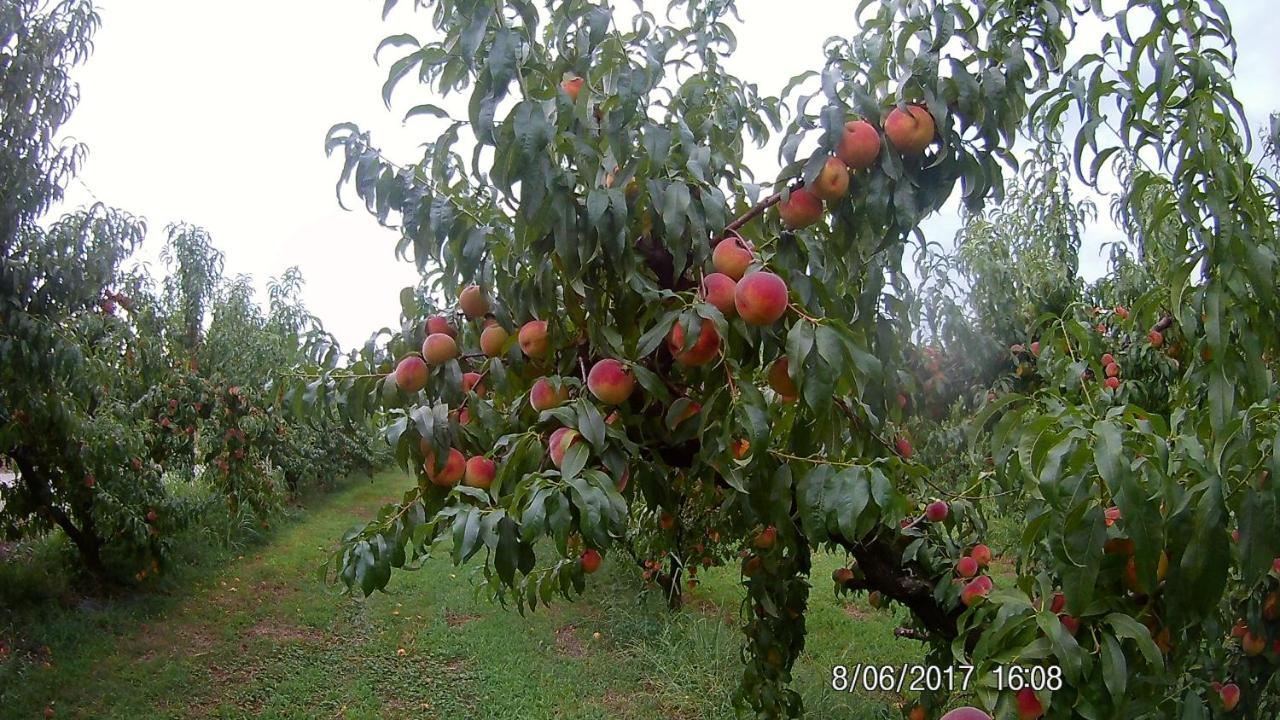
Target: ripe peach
(1029, 707)
(480, 472)
(761, 298)
(717, 289)
(973, 593)
(473, 381)
(767, 538)
(1253, 643)
(704, 349)
(473, 302)
(448, 476)
(439, 349)
(440, 324)
(666, 521)
(542, 396)
(967, 567)
(1072, 624)
(966, 713)
(590, 560)
(1122, 312)
(411, 374)
(1107, 359)
(1112, 370)
(559, 442)
(801, 208)
(492, 338)
(903, 446)
(910, 131)
(1230, 694)
(780, 379)
(1156, 338)
(842, 576)
(1271, 606)
(1131, 572)
(740, 448)
(732, 256)
(832, 182)
(533, 338)
(859, 145)
(937, 511)
(917, 713)
(982, 554)
(1035, 348)
(572, 87)
(1111, 515)
(611, 382)
(1112, 383)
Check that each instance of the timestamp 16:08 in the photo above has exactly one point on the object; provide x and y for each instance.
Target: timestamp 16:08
(910, 677)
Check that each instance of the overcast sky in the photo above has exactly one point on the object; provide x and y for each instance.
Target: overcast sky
(215, 114)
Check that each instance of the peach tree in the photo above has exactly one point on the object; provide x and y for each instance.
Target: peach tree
(625, 347)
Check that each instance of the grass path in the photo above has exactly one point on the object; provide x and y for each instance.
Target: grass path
(259, 636)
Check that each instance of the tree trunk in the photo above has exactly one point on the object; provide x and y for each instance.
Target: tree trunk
(87, 543)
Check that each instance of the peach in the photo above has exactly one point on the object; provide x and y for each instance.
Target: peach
(1112, 383)
(1058, 602)
(832, 182)
(842, 576)
(767, 538)
(572, 87)
(1156, 338)
(611, 381)
(703, 350)
(479, 473)
(1029, 707)
(1253, 643)
(439, 349)
(440, 324)
(780, 379)
(448, 476)
(717, 289)
(761, 298)
(937, 512)
(473, 302)
(974, 591)
(801, 208)
(533, 338)
(543, 396)
(966, 713)
(411, 374)
(590, 560)
(1107, 359)
(473, 381)
(1112, 370)
(903, 447)
(1230, 694)
(740, 448)
(732, 256)
(560, 442)
(859, 145)
(982, 554)
(1070, 623)
(967, 567)
(492, 339)
(910, 131)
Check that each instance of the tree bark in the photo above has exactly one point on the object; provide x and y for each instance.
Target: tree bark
(87, 543)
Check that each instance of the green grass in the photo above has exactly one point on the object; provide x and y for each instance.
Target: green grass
(258, 635)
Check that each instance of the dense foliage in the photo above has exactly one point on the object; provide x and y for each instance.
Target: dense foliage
(114, 392)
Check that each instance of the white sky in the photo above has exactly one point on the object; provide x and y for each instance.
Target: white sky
(215, 114)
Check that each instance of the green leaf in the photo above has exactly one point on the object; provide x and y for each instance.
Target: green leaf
(1115, 670)
(575, 458)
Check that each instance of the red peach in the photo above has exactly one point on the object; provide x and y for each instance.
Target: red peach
(1112, 383)
(480, 472)
(767, 538)
(1029, 707)
(704, 349)
(780, 378)
(967, 567)
(1230, 694)
(966, 713)
(448, 476)
(910, 131)
(937, 511)
(717, 289)
(611, 381)
(492, 339)
(439, 349)
(801, 208)
(440, 324)
(982, 554)
(590, 560)
(761, 298)
(542, 396)
(572, 87)
(833, 181)
(411, 374)
(473, 302)
(559, 442)
(533, 338)
(473, 381)
(859, 145)
(903, 446)
(731, 257)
